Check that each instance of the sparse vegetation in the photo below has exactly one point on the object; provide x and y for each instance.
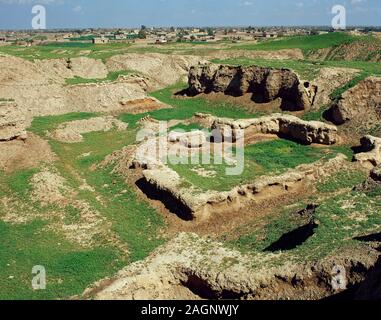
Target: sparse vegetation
(112, 76)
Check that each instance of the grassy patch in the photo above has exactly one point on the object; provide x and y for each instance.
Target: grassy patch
(112, 76)
(315, 115)
(6, 100)
(42, 124)
(66, 50)
(18, 182)
(131, 218)
(341, 180)
(69, 269)
(185, 108)
(186, 127)
(306, 43)
(340, 218)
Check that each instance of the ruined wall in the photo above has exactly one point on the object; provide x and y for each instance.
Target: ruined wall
(289, 127)
(266, 84)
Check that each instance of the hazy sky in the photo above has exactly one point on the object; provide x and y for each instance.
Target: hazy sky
(132, 13)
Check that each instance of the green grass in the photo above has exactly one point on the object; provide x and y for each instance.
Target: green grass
(42, 124)
(341, 180)
(69, 269)
(6, 100)
(66, 50)
(185, 108)
(112, 76)
(306, 43)
(264, 158)
(315, 115)
(186, 127)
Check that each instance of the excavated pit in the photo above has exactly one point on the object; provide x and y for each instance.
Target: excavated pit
(161, 183)
(172, 204)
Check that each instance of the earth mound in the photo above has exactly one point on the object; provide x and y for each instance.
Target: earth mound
(161, 69)
(359, 105)
(71, 132)
(12, 122)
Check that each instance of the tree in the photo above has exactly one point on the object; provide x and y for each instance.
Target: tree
(142, 34)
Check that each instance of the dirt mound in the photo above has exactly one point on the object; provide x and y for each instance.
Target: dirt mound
(190, 267)
(371, 151)
(49, 188)
(16, 71)
(38, 92)
(162, 70)
(12, 122)
(327, 81)
(266, 84)
(71, 132)
(12, 153)
(361, 105)
(144, 105)
(74, 67)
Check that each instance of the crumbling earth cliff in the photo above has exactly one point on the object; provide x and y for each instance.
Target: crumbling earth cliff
(360, 104)
(12, 122)
(266, 84)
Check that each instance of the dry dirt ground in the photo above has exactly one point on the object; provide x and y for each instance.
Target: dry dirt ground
(12, 153)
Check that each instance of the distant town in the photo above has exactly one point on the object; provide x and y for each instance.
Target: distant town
(159, 36)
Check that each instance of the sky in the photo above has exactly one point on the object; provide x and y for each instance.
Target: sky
(17, 14)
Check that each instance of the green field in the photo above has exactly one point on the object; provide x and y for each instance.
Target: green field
(305, 43)
(66, 50)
